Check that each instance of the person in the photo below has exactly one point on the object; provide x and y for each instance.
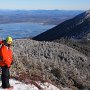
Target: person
(5, 61)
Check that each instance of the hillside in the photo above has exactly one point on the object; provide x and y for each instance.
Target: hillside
(51, 62)
(82, 46)
(77, 28)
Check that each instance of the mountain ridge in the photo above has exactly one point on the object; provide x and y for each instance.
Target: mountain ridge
(77, 27)
(38, 16)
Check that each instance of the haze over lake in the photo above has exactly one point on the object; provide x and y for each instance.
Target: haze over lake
(22, 30)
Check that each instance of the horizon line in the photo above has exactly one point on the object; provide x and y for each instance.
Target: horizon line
(49, 9)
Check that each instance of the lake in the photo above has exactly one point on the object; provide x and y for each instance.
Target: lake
(22, 30)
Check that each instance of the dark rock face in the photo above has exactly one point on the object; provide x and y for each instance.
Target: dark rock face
(77, 28)
(52, 61)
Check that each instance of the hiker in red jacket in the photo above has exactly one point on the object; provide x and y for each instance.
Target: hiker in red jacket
(5, 61)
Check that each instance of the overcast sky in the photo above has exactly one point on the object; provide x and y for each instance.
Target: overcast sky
(45, 4)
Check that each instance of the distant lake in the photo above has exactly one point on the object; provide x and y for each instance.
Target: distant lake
(22, 30)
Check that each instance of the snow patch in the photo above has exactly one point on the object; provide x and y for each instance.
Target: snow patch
(22, 86)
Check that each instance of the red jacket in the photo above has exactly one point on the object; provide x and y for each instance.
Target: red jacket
(5, 55)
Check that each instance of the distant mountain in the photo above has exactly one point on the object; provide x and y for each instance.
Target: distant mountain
(38, 16)
(77, 28)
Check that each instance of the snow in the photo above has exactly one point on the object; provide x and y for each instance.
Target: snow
(22, 86)
(47, 86)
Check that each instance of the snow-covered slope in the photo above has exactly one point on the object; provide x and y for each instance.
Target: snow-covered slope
(21, 86)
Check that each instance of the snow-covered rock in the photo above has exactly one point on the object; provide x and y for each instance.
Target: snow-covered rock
(22, 86)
